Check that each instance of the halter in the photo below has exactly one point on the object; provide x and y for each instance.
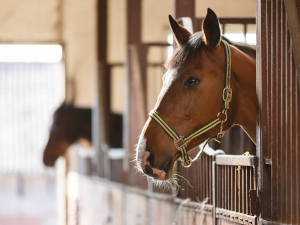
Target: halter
(181, 141)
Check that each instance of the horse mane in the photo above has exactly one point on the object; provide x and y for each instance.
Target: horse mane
(244, 47)
(194, 46)
(66, 108)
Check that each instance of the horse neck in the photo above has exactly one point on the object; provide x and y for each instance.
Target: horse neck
(85, 123)
(244, 77)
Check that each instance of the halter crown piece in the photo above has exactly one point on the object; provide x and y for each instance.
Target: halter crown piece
(180, 141)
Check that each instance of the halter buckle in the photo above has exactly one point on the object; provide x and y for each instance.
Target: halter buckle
(221, 133)
(183, 145)
(227, 90)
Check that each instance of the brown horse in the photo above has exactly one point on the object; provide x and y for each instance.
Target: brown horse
(69, 125)
(191, 97)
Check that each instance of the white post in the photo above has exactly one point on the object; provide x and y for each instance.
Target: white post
(61, 190)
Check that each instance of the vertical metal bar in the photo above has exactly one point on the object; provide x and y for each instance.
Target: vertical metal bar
(232, 188)
(246, 189)
(216, 185)
(225, 187)
(243, 189)
(228, 188)
(210, 181)
(223, 192)
(251, 187)
(235, 193)
(214, 200)
(203, 179)
(206, 179)
(239, 191)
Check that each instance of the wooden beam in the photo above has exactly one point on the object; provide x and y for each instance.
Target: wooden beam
(101, 115)
(185, 8)
(135, 105)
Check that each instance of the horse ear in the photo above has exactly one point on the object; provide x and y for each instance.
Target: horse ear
(211, 29)
(181, 34)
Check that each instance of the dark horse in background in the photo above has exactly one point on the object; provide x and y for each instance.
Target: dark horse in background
(71, 124)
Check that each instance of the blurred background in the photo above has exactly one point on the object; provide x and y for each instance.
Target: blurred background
(103, 59)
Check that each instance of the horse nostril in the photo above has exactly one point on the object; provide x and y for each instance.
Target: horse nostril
(148, 170)
(150, 159)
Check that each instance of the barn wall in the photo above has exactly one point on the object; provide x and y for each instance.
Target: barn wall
(68, 22)
(226, 8)
(29, 21)
(80, 39)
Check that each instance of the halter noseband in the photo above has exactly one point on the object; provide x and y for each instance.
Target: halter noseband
(227, 96)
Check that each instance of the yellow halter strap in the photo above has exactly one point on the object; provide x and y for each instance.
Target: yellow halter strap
(227, 96)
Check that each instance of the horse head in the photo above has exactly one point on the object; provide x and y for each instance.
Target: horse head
(192, 97)
(64, 132)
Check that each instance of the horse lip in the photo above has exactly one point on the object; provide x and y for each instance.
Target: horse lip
(167, 167)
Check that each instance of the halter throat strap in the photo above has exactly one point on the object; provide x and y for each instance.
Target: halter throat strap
(181, 142)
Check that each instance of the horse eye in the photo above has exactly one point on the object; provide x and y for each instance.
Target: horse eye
(192, 82)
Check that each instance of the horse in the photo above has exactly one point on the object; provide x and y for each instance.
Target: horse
(70, 124)
(205, 73)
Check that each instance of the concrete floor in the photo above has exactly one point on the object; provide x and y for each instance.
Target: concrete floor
(27, 200)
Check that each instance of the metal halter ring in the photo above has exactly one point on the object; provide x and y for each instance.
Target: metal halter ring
(183, 145)
(225, 118)
(229, 90)
(190, 160)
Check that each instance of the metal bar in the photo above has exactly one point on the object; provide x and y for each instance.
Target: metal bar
(214, 201)
(232, 188)
(228, 187)
(247, 189)
(243, 189)
(233, 20)
(236, 160)
(239, 190)
(223, 187)
(206, 180)
(235, 193)
(203, 178)
(210, 181)
(239, 218)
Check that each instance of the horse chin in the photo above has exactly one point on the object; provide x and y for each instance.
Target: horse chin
(49, 162)
(169, 183)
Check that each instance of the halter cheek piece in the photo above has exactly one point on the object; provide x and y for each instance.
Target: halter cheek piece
(180, 141)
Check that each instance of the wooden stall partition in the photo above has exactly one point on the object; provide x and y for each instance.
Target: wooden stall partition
(185, 8)
(135, 95)
(101, 112)
(278, 123)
